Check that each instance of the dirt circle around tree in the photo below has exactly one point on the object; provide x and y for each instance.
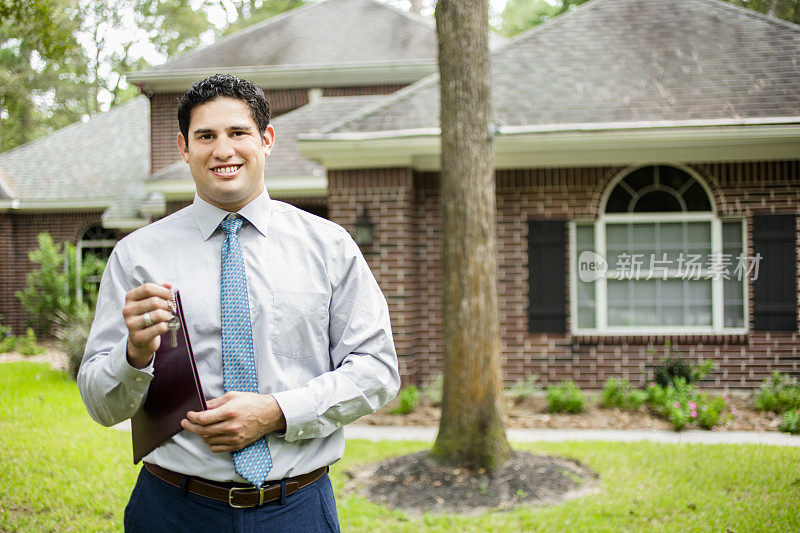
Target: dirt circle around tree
(416, 483)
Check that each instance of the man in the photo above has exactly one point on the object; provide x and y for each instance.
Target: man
(314, 354)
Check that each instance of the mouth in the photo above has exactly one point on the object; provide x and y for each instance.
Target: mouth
(226, 171)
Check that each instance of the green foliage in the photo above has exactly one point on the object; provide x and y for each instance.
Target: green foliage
(409, 397)
(26, 344)
(565, 398)
(791, 422)
(8, 342)
(434, 389)
(249, 13)
(674, 368)
(784, 9)
(684, 405)
(778, 393)
(521, 15)
(52, 288)
(523, 388)
(621, 395)
(72, 332)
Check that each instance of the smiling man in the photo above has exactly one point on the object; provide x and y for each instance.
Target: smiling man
(289, 329)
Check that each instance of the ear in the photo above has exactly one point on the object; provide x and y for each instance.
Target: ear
(184, 149)
(269, 139)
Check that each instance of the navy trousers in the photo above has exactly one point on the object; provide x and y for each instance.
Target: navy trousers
(158, 506)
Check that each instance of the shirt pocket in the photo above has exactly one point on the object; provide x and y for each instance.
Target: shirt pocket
(300, 327)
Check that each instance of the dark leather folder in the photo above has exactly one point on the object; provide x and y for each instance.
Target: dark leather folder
(174, 390)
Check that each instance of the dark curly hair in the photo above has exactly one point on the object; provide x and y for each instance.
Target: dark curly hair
(227, 86)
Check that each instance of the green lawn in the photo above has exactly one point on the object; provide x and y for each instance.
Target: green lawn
(61, 471)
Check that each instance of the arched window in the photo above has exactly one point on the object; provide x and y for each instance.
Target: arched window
(93, 250)
(659, 260)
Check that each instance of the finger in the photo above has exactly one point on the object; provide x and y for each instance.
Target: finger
(146, 336)
(220, 400)
(149, 305)
(209, 417)
(148, 290)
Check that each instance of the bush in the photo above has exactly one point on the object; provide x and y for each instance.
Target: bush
(53, 286)
(791, 422)
(409, 397)
(619, 394)
(565, 398)
(72, 333)
(683, 404)
(778, 393)
(673, 369)
(26, 344)
(523, 388)
(433, 390)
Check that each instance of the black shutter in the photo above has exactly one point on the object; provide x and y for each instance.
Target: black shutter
(547, 276)
(775, 288)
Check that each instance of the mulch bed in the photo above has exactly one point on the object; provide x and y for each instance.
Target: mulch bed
(417, 483)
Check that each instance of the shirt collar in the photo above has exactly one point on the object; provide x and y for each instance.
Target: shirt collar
(208, 216)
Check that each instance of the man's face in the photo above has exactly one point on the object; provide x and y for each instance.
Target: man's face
(226, 153)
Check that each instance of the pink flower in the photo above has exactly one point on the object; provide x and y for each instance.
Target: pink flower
(692, 406)
(694, 414)
(652, 384)
(714, 428)
(798, 411)
(677, 405)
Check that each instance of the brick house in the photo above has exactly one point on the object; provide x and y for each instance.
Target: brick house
(646, 156)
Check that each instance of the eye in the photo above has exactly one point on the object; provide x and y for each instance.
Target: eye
(205, 136)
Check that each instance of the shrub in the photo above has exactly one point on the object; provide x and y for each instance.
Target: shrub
(433, 390)
(409, 397)
(620, 394)
(565, 398)
(72, 333)
(523, 388)
(26, 344)
(683, 404)
(778, 393)
(673, 369)
(791, 422)
(53, 286)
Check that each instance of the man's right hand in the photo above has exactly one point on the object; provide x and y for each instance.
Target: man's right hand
(148, 301)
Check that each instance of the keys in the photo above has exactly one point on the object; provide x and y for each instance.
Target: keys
(174, 323)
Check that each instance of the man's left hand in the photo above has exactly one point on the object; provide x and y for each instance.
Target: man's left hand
(235, 420)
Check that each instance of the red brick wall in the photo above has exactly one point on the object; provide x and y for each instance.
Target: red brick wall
(18, 232)
(405, 260)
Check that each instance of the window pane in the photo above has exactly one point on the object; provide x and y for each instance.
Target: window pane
(657, 202)
(673, 302)
(696, 198)
(733, 288)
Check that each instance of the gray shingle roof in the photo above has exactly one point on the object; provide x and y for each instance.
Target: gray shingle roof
(324, 33)
(628, 61)
(285, 160)
(84, 161)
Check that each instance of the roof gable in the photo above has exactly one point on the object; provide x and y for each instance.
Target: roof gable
(323, 33)
(83, 161)
(616, 61)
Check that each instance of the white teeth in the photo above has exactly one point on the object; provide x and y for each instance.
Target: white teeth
(226, 170)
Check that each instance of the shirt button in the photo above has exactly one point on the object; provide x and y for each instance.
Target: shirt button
(138, 379)
(133, 405)
(299, 432)
(338, 424)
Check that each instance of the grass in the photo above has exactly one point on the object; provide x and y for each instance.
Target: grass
(61, 471)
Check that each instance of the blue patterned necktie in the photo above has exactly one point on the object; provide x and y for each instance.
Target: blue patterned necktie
(238, 362)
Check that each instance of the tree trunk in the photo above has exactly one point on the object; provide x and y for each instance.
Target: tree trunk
(416, 6)
(471, 431)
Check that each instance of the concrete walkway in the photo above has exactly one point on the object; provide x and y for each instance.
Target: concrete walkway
(428, 434)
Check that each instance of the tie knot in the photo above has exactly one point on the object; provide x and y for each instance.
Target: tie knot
(231, 226)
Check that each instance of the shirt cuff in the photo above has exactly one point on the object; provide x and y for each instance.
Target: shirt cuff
(128, 375)
(298, 410)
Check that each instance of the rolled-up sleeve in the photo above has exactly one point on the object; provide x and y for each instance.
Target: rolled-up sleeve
(110, 387)
(363, 357)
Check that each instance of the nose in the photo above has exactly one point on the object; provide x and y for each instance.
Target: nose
(223, 148)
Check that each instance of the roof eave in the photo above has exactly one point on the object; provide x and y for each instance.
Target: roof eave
(291, 76)
(567, 145)
(21, 205)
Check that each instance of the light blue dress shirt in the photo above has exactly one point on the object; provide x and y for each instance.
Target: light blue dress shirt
(321, 333)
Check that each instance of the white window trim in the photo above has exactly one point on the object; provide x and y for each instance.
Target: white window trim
(600, 285)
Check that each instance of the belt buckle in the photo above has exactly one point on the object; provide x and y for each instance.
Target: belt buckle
(232, 491)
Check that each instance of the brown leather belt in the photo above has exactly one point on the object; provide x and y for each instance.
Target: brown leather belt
(237, 495)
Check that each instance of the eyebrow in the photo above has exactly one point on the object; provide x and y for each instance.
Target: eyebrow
(202, 131)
